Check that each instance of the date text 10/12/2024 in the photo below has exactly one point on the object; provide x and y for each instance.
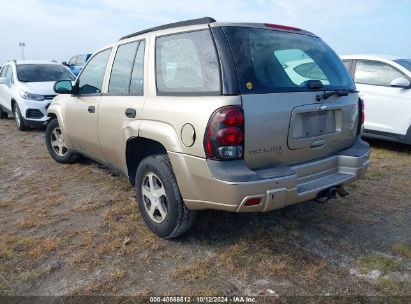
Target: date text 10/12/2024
(205, 299)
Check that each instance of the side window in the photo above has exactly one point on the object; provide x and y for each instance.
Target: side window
(122, 68)
(4, 71)
(91, 79)
(137, 77)
(79, 60)
(297, 64)
(9, 74)
(72, 60)
(187, 63)
(347, 64)
(375, 73)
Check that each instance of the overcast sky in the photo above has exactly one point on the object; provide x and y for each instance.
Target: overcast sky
(60, 29)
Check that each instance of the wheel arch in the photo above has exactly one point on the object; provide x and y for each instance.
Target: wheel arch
(148, 138)
(13, 102)
(407, 138)
(137, 148)
(54, 111)
(52, 116)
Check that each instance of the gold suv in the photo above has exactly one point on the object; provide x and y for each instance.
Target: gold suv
(242, 117)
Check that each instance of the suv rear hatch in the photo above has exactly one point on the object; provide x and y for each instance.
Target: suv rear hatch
(285, 78)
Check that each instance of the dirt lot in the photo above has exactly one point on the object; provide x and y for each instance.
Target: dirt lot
(75, 229)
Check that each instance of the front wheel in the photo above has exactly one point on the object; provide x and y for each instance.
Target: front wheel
(20, 123)
(159, 198)
(55, 144)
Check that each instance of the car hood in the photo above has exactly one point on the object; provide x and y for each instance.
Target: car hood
(42, 88)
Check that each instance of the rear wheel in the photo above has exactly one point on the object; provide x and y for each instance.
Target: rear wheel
(3, 114)
(55, 144)
(159, 198)
(20, 123)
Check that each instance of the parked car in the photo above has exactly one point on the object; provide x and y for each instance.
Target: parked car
(302, 70)
(385, 84)
(202, 115)
(76, 63)
(26, 90)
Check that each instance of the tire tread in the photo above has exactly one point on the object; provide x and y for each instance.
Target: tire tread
(185, 217)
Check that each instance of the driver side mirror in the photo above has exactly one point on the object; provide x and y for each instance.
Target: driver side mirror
(63, 87)
(400, 82)
(3, 80)
(64, 63)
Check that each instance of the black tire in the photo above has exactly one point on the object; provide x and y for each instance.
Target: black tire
(20, 122)
(179, 218)
(3, 114)
(69, 156)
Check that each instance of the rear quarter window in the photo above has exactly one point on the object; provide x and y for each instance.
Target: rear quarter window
(186, 63)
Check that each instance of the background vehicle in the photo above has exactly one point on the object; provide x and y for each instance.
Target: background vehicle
(385, 84)
(302, 70)
(76, 63)
(203, 115)
(26, 90)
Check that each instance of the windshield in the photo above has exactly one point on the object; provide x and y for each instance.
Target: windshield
(42, 73)
(406, 63)
(271, 61)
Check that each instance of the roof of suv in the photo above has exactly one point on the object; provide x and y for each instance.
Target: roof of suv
(33, 62)
(212, 22)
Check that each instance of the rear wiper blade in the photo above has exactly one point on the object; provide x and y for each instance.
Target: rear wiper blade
(339, 93)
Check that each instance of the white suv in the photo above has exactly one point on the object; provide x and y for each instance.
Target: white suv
(26, 90)
(384, 83)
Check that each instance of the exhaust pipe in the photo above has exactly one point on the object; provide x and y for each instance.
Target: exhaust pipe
(330, 193)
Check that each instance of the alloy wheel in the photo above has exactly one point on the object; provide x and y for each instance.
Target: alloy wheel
(154, 197)
(57, 142)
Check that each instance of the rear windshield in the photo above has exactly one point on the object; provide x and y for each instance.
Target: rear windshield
(406, 63)
(42, 73)
(270, 61)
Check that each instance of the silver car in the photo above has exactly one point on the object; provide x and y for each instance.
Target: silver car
(205, 115)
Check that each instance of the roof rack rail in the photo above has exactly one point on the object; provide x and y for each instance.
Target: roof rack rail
(204, 20)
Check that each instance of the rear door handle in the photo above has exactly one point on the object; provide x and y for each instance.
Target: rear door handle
(131, 113)
(91, 109)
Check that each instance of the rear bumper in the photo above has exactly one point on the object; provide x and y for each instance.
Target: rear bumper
(206, 184)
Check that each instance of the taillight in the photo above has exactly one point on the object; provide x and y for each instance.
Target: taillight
(224, 136)
(362, 117)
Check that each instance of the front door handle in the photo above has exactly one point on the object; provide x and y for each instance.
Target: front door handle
(91, 109)
(131, 113)
(317, 143)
